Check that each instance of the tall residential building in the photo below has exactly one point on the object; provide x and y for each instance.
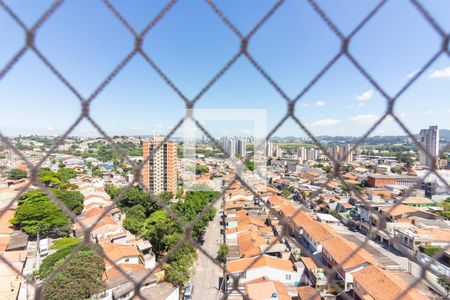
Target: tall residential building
(430, 140)
(269, 149)
(343, 153)
(302, 154)
(241, 145)
(229, 145)
(313, 154)
(160, 171)
(278, 152)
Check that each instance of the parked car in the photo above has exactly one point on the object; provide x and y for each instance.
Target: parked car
(188, 292)
(43, 247)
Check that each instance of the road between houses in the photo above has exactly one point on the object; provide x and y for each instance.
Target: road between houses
(207, 273)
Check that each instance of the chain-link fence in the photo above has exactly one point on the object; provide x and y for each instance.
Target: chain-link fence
(244, 39)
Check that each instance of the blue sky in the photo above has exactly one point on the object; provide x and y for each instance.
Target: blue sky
(84, 41)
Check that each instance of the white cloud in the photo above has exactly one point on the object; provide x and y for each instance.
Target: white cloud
(319, 103)
(412, 74)
(444, 73)
(325, 122)
(368, 118)
(367, 95)
(389, 118)
(304, 104)
(429, 112)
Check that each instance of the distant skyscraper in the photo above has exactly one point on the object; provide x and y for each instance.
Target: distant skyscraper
(313, 154)
(269, 149)
(241, 145)
(278, 152)
(343, 153)
(229, 145)
(160, 171)
(430, 140)
(302, 154)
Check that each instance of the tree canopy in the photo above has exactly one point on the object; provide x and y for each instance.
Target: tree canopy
(164, 233)
(135, 218)
(62, 176)
(160, 229)
(199, 169)
(36, 213)
(16, 174)
(80, 278)
(134, 196)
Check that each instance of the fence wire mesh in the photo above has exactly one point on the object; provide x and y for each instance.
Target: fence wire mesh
(30, 34)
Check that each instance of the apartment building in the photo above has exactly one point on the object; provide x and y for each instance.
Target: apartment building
(160, 170)
(430, 141)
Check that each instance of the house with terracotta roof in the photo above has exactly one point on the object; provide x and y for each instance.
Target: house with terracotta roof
(378, 284)
(420, 202)
(413, 237)
(94, 200)
(121, 254)
(393, 213)
(311, 232)
(340, 256)
(273, 268)
(308, 293)
(266, 289)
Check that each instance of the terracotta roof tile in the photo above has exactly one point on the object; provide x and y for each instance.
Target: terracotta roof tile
(308, 292)
(260, 261)
(384, 285)
(262, 289)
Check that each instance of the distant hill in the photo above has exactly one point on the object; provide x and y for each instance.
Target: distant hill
(444, 134)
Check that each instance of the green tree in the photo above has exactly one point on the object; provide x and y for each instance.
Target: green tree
(223, 252)
(80, 278)
(48, 177)
(106, 153)
(396, 170)
(73, 200)
(177, 273)
(97, 172)
(16, 174)
(180, 192)
(64, 242)
(193, 205)
(446, 208)
(165, 197)
(65, 174)
(250, 165)
(135, 196)
(177, 270)
(37, 214)
(135, 219)
(112, 190)
(199, 169)
(158, 229)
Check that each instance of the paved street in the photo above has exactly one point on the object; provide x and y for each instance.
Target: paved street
(207, 273)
